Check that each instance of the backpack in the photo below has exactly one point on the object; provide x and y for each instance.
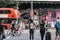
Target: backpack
(57, 25)
(31, 26)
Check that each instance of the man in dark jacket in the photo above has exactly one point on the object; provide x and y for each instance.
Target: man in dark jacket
(1, 30)
(13, 27)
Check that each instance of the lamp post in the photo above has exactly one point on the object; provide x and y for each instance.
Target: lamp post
(31, 5)
(17, 10)
(32, 8)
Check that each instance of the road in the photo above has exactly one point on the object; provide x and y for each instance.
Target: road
(25, 36)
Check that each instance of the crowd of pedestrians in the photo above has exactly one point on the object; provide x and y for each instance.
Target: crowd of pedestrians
(43, 24)
(57, 26)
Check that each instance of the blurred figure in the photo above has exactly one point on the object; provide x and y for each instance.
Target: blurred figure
(58, 28)
(52, 23)
(13, 27)
(1, 30)
(31, 29)
(42, 29)
(22, 25)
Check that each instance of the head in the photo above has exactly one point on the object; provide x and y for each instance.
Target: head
(22, 19)
(1, 22)
(30, 20)
(58, 18)
(13, 21)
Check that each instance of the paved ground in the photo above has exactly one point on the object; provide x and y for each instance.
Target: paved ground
(25, 36)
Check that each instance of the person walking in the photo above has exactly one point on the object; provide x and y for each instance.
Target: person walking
(13, 27)
(22, 25)
(42, 29)
(2, 36)
(57, 26)
(31, 29)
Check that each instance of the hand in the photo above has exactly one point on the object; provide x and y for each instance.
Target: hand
(47, 27)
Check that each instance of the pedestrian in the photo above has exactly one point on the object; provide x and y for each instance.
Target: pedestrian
(16, 25)
(31, 29)
(22, 25)
(57, 26)
(2, 36)
(13, 27)
(42, 29)
(52, 23)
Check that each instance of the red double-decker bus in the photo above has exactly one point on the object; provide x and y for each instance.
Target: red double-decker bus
(7, 15)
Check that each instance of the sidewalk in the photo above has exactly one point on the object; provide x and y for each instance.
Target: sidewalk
(25, 35)
(25, 31)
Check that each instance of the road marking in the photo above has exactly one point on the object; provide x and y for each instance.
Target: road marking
(8, 37)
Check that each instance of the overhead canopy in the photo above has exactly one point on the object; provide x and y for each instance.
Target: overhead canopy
(30, 0)
(36, 0)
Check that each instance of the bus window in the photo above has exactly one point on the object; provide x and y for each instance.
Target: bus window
(5, 11)
(7, 21)
(1, 11)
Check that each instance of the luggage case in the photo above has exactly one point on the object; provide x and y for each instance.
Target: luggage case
(48, 36)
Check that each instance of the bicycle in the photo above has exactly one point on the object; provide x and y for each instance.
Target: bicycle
(16, 32)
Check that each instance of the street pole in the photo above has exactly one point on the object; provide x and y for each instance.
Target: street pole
(17, 11)
(32, 7)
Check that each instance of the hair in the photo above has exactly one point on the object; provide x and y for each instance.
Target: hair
(57, 17)
(35, 13)
(31, 21)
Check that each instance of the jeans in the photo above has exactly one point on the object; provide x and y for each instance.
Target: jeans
(1, 37)
(31, 34)
(42, 32)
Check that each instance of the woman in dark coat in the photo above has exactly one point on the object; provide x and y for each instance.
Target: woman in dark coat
(42, 29)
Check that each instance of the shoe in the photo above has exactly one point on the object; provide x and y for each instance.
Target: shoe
(32, 39)
(3, 37)
(13, 35)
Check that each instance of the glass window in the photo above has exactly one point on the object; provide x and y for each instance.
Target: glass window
(1, 11)
(5, 11)
(6, 21)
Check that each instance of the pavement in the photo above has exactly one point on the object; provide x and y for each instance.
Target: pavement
(25, 36)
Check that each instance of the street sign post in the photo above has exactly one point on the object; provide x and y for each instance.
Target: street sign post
(31, 13)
